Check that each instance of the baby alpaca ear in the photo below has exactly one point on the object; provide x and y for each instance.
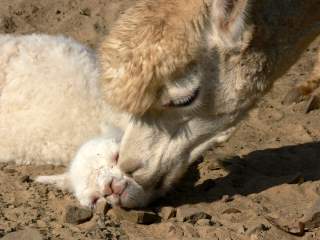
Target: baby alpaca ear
(61, 181)
(228, 21)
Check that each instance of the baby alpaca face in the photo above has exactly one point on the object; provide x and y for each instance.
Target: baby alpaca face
(94, 174)
(121, 190)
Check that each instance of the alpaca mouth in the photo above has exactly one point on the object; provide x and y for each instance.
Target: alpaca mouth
(120, 199)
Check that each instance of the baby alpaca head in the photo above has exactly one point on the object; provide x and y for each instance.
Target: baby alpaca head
(94, 174)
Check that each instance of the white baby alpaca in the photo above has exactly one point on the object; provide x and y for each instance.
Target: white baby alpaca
(50, 104)
(91, 165)
(93, 174)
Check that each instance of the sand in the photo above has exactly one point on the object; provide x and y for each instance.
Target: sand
(262, 184)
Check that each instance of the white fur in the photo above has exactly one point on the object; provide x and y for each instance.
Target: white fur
(50, 104)
(49, 98)
(93, 173)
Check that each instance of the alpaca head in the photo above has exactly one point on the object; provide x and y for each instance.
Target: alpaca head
(94, 174)
(171, 68)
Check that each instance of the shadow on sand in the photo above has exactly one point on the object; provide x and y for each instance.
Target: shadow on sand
(252, 173)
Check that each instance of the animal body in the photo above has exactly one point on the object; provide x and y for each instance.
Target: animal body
(94, 174)
(186, 72)
(52, 112)
(176, 78)
(49, 98)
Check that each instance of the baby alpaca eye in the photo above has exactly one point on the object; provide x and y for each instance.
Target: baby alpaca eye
(183, 101)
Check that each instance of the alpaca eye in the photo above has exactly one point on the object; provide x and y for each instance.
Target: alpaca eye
(183, 101)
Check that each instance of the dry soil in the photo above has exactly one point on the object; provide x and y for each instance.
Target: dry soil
(263, 183)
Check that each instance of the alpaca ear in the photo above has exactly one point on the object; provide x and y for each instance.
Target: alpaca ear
(228, 21)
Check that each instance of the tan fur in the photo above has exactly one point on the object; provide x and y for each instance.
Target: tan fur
(160, 52)
(149, 45)
(156, 41)
(193, 62)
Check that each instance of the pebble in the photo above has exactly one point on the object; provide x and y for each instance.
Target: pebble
(85, 12)
(25, 179)
(204, 222)
(189, 231)
(134, 216)
(227, 198)
(214, 165)
(102, 206)
(41, 224)
(77, 215)
(231, 211)
(26, 234)
(311, 219)
(312, 104)
(9, 169)
(257, 230)
(190, 214)
(172, 229)
(3, 165)
(167, 213)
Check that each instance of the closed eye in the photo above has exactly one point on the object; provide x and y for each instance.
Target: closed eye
(183, 101)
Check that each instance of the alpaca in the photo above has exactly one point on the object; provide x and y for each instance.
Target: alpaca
(94, 174)
(187, 72)
(175, 76)
(50, 99)
(50, 105)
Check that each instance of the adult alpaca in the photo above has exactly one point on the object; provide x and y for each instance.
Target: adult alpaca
(186, 72)
(179, 76)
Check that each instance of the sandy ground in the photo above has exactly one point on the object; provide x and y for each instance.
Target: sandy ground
(262, 184)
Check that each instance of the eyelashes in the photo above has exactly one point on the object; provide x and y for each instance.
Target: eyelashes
(183, 101)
